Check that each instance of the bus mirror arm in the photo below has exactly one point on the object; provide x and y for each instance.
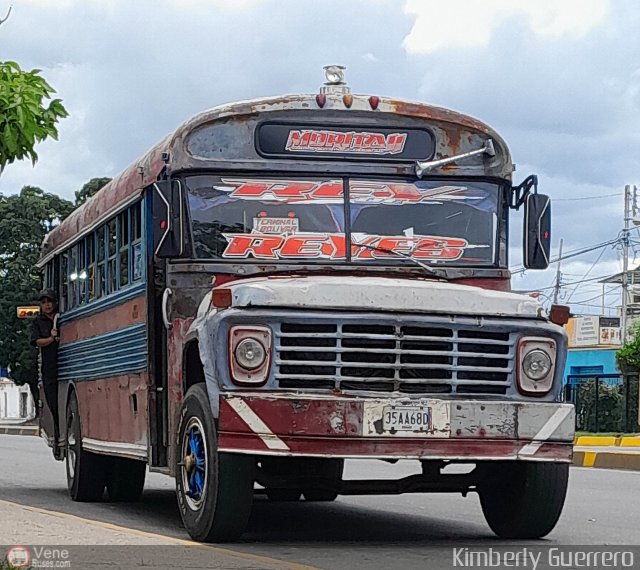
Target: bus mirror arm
(423, 167)
(165, 308)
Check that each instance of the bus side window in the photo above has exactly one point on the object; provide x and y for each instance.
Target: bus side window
(64, 270)
(112, 241)
(91, 266)
(101, 285)
(82, 272)
(72, 291)
(123, 246)
(136, 242)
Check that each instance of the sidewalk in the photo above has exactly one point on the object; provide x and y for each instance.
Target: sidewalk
(19, 426)
(86, 543)
(607, 452)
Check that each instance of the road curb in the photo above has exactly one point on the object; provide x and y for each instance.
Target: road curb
(19, 430)
(607, 459)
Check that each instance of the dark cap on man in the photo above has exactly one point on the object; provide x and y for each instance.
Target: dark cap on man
(47, 294)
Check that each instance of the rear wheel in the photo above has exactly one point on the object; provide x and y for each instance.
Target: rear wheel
(329, 473)
(524, 500)
(85, 471)
(125, 479)
(214, 490)
(288, 478)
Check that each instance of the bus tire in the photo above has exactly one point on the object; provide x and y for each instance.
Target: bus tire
(320, 495)
(125, 479)
(283, 495)
(85, 471)
(214, 490)
(331, 471)
(522, 500)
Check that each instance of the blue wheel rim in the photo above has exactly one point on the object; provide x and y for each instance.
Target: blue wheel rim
(194, 463)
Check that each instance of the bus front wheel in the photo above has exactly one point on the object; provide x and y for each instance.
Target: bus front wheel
(215, 490)
(524, 500)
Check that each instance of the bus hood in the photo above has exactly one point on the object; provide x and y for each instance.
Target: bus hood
(379, 294)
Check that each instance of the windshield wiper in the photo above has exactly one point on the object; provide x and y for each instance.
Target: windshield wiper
(402, 255)
(425, 166)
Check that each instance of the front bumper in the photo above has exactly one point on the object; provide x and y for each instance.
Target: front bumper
(289, 424)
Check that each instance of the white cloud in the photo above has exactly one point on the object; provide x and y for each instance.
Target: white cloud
(469, 24)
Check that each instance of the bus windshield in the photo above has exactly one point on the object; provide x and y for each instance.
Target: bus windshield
(278, 220)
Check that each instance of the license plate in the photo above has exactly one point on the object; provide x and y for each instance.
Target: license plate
(407, 418)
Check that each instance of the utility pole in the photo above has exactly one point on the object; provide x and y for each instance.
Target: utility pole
(558, 275)
(625, 264)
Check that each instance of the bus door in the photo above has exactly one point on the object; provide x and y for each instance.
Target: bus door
(166, 331)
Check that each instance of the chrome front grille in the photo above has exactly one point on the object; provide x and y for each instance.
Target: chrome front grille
(409, 358)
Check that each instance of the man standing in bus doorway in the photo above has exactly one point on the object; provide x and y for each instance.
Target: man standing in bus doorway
(45, 336)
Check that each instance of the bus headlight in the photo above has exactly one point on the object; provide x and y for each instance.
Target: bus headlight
(249, 354)
(536, 365)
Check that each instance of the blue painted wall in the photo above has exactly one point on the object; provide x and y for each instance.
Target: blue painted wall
(591, 361)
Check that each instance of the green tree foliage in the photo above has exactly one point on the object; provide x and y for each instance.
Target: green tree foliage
(25, 120)
(601, 412)
(25, 219)
(628, 356)
(89, 189)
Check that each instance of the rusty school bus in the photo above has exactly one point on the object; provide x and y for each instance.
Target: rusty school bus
(285, 283)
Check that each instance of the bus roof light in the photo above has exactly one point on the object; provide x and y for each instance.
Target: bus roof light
(321, 100)
(347, 99)
(335, 84)
(334, 74)
(374, 102)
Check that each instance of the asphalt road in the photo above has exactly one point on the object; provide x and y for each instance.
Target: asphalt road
(404, 532)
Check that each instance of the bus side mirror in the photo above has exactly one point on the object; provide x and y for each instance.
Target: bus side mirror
(169, 221)
(537, 231)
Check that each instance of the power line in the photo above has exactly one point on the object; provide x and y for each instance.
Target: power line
(587, 273)
(587, 197)
(575, 282)
(575, 253)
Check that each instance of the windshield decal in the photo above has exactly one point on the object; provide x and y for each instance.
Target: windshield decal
(333, 246)
(331, 192)
(284, 226)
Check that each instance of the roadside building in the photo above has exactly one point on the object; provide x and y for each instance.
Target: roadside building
(593, 342)
(15, 401)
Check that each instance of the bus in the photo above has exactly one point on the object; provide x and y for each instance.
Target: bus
(286, 283)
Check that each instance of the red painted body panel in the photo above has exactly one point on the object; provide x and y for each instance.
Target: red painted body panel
(394, 447)
(175, 380)
(107, 408)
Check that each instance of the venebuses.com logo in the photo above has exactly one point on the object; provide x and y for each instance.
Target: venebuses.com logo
(18, 557)
(21, 557)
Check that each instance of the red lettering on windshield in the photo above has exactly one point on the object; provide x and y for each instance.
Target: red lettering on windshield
(332, 246)
(331, 191)
(440, 248)
(259, 245)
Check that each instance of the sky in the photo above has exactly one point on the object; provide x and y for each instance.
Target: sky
(560, 81)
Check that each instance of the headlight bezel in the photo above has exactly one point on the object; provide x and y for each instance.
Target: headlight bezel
(528, 385)
(256, 376)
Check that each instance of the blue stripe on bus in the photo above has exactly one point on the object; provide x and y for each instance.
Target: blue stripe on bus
(111, 354)
(108, 302)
